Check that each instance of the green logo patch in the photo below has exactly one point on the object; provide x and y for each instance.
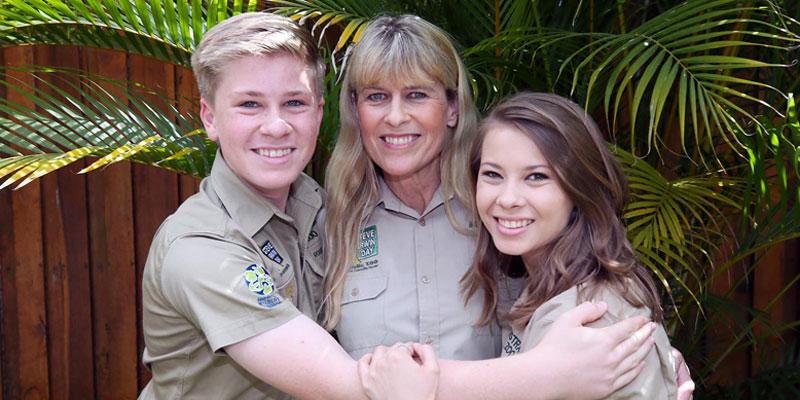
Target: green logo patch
(258, 280)
(369, 243)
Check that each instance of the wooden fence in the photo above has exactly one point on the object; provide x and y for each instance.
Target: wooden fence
(72, 248)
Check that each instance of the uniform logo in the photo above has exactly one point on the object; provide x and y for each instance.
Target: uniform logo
(260, 282)
(271, 252)
(512, 345)
(369, 243)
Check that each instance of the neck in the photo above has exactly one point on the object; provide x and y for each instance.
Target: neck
(278, 200)
(415, 191)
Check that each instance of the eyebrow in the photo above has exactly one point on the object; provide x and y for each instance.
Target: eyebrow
(291, 93)
(529, 167)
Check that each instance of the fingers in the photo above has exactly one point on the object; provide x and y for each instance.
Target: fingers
(585, 313)
(627, 377)
(685, 383)
(363, 367)
(427, 356)
(631, 332)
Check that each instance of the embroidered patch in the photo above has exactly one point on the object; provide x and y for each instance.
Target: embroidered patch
(271, 252)
(369, 243)
(258, 280)
(269, 301)
(512, 345)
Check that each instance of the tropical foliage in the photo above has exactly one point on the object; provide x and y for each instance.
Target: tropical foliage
(695, 97)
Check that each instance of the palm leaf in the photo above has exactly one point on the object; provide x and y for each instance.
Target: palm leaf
(61, 128)
(167, 30)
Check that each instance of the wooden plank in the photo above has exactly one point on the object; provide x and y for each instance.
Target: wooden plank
(69, 307)
(113, 269)
(188, 100)
(25, 326)
(155, 190)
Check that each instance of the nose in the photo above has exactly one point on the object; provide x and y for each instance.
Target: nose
(398, 114)
(275, 125)
(509, 197)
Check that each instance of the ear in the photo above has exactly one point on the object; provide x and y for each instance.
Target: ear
(320, 110)
(452, 113)
(207, 116)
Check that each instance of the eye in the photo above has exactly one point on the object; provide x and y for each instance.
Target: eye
(417, 95)
(248, 104)
(295, 103)
(538, 176)
(489, 174)
(375, 97)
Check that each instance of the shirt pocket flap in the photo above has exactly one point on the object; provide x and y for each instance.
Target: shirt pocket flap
(363, 288)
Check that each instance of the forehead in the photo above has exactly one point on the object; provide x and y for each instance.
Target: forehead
(505, 143)
(275, 73)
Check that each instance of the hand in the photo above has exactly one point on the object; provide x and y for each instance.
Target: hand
(403, 371)
(588, 363)
(685, 382)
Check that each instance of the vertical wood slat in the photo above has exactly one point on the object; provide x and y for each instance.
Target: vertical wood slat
(25, 372)
(69, 307)
(155, 194)
(188, 99)
(113, 270)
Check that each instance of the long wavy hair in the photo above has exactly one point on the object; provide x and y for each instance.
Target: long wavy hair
(593, 248)
(402, 48)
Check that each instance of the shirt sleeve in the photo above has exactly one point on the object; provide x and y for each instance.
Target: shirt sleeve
(657, 379)
(224, 289)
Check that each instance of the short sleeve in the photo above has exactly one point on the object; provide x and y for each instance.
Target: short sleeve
(657, 379)
(224, 289)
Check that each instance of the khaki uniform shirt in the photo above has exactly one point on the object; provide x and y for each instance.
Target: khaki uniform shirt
(225, 267)
(656, 381)
(405, 286)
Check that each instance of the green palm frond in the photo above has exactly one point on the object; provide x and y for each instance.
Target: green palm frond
(675, 226)
(683, 59)
(167, 30)
(61, 128)
(352, 15)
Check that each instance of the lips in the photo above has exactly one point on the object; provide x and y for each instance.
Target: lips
(399, 140)
(274, 153)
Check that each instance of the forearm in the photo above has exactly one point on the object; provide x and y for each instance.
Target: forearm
(523, 376)
(301, 359)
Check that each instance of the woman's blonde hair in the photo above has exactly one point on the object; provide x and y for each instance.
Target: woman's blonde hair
(402, 48)
(593, 247)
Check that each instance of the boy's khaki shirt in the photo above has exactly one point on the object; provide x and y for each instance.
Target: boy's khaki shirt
(225, 267)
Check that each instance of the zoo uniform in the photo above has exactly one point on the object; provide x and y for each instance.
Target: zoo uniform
(656, 381)
(225, 267)
(405, 285)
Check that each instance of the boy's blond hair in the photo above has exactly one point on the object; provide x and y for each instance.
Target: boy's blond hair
(254, 33)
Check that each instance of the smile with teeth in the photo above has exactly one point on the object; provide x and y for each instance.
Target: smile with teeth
(400, 140)
(514, 223)
(274, 153)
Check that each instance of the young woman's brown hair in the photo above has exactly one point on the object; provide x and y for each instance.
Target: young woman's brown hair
(593, 248)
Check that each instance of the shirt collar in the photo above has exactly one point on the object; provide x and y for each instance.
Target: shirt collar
(391, 202)
(249, 209)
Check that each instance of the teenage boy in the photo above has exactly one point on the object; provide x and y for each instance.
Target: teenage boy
(225, 288)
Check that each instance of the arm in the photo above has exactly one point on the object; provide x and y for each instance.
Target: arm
(301, 359)
(610, 358)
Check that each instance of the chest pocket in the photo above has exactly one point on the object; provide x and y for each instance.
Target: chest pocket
(363, 325)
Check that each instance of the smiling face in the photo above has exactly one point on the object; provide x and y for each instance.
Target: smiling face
(403, 127)
(265, 116)
(519, 198)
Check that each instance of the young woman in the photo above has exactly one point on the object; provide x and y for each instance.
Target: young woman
(551, 197)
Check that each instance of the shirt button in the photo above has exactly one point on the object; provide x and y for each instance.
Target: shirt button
(421, 221)
(354, 292)
(425, 279)
(428, 340)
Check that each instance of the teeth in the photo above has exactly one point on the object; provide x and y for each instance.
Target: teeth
(514, 224)
(273, 153)
(398, 140)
